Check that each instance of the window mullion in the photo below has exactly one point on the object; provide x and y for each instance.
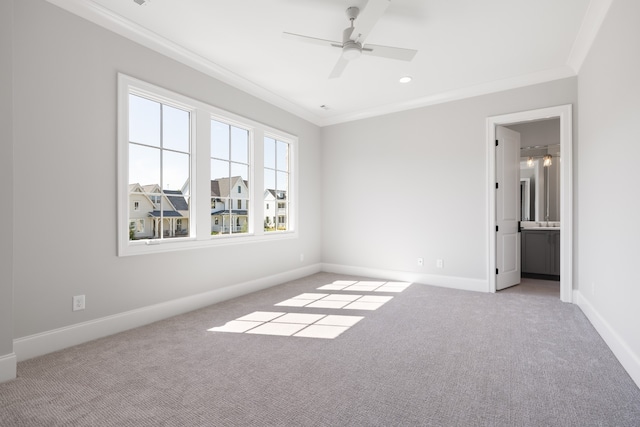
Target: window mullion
(257, 192)
(201, 187)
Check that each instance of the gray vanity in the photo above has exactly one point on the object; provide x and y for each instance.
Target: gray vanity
(541, 252)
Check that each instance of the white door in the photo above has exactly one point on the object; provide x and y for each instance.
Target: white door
(507, 207)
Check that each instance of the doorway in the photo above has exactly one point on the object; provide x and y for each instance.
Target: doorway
(564, 113)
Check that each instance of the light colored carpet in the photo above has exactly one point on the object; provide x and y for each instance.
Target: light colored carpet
(428, 357)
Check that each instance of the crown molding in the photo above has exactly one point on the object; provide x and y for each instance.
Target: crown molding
(454, 95)
(105, 18)
(591, 23)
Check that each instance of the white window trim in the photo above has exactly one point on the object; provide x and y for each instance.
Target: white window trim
(200, 216)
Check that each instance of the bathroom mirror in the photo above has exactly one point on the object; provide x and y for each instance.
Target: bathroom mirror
(540, 187)
(539, 184)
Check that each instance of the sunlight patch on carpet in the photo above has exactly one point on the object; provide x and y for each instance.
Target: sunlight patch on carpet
(290, 324)
(370, 286)
(337, 301)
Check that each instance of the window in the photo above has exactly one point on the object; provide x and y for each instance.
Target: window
(167, 164)
(276, 179)
(229, 169)
(159, 158)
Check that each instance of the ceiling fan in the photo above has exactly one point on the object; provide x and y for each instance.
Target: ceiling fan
(353, 37)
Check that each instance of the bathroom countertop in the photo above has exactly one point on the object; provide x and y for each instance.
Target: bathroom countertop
(540, 228)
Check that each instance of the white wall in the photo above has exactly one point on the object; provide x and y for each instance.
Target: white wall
(413, 184)
(608, 152)
(7, 360)
(65, 74)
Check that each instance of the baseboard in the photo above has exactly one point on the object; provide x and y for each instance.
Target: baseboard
(8, 364)
(462, 283)
(627, 358)
(58, 339)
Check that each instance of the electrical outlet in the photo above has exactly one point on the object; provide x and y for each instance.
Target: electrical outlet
(420, 262)
(301, 257)
(440, 263)
(78, 302)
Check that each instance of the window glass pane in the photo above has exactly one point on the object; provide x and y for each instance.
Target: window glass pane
(219, 140)
(283, 156)
(175, 170)
(144, 121)
(282, 181)
(239, 145)
(269, 179)
(270, 153)
(144, 165)
(175, 129)
(240, 170)
(219, 169)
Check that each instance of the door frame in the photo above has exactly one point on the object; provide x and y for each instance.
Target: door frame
(565, 114)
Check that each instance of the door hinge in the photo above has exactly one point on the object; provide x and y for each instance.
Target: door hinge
(496, 228)
(496, 185)
(496, 271)
(496, 142)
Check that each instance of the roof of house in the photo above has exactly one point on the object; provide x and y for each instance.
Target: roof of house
(151, 188)
(281, 195)
(165, 214)
(221, 187)
(177, 199)
(233, 211)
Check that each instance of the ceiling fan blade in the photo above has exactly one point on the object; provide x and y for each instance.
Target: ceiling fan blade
(368, 18)
(399, 53)
(339, 68)
(312, 40)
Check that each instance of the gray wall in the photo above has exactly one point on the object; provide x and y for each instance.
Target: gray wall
(542, 132)
(413, 184)
(608, 153)
(6, 178)
(65, 74)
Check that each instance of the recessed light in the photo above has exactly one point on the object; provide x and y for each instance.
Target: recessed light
(405, 79)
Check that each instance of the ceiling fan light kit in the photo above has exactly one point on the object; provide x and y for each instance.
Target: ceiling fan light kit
(351, 50)
(353, 37)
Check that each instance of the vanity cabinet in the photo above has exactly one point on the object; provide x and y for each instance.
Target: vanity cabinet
(541, 252)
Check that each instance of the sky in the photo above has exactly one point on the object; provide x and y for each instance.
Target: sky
(159, 148)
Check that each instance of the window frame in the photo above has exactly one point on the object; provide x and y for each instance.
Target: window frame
(200, 222)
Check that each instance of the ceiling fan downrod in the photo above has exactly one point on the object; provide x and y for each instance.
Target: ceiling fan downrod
(351, 49)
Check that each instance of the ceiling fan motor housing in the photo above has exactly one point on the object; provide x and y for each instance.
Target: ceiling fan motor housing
(350, 49)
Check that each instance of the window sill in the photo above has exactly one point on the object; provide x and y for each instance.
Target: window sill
(143, 247)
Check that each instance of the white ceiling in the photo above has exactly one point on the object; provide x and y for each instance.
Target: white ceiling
(465, 47)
